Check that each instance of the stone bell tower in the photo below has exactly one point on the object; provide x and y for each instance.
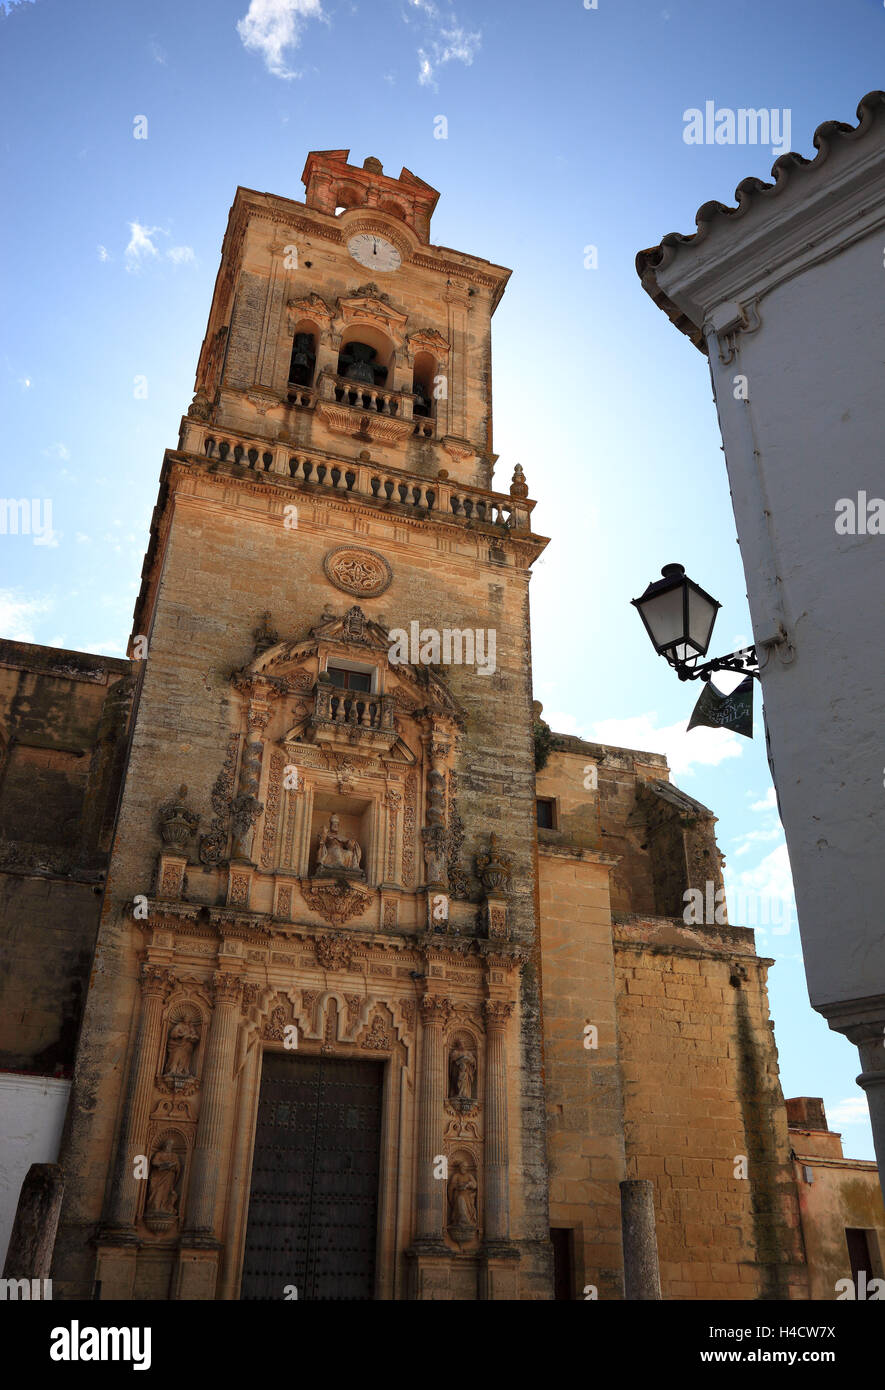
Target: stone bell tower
(316, 982)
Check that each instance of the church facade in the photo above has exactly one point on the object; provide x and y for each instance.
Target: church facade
(391, 985)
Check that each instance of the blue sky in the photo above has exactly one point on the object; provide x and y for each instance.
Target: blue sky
(565, 130)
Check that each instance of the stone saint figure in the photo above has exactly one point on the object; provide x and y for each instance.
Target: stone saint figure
(165, 1168)
(462, 1073)
(334, 851)
(183, 1038)
(462, 1196)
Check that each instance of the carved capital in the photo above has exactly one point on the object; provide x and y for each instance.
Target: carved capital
(435, 1011)
(497, 1012)
(156, 980)
(228, 988)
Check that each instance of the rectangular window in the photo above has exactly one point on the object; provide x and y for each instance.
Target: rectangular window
(350, 680)
(545, 810)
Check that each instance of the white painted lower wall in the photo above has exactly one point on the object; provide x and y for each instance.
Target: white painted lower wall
(32, 1113)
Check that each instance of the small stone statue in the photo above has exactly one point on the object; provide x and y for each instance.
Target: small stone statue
(336, 852)
(462, 1196)
(165, 1168)
(180, 1044)
(462, 1072)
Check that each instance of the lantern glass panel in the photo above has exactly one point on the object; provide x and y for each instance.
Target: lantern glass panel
(702, 612)
(664, 616)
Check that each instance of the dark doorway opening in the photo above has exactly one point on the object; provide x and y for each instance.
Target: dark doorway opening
(563, 1240)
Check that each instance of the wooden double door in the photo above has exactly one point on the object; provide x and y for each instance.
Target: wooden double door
(313, 1205)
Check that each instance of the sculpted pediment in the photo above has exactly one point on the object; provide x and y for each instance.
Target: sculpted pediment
(366, 308)
(428, 340)
(294, 667)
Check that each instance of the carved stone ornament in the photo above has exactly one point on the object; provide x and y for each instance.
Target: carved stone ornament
(337, 901)
(354, 570)
(461, 1196)
(200, 407)
(161, 1203)
(177, 822)
(493, 869)
(333, 952)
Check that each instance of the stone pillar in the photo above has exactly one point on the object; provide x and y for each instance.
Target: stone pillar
(213, 1124)
(869, 1038)
(29, 1255)
(431, 1102)
(123, 1202)
(497, 1194)
(641, 1277)
(429, 1257)
(500, 1259)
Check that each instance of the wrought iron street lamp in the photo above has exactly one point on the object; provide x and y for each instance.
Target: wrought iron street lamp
(678, 616)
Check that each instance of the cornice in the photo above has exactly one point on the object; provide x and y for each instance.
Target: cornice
(777, 229)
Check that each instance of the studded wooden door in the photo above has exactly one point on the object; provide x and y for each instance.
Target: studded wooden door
(313, 1206)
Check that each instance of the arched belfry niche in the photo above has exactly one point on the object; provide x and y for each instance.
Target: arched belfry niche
(342, 763)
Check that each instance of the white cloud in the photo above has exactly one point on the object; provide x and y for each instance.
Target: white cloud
(58, 451)
(702, 747)
(270, 27)
(853, 1110)
(103, 253)
(140, 246)
(111, 648)
(179, 254)
(768, 802)
(157, 53)
(17, 614)
(449, 45)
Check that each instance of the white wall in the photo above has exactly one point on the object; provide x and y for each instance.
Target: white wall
(32, 1112)
(805, 265)
(816, 382)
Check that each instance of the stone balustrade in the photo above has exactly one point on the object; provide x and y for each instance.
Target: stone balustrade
(396, 489)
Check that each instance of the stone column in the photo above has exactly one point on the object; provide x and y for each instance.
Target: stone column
(29, 1255)
(499, 1262)
(213, 1124)
(431, 1101)
(429, 1256)
(497, 1195)
(123, 1201)
(869, 1038)
(642, 1280)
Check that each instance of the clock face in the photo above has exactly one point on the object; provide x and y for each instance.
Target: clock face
(374, 252)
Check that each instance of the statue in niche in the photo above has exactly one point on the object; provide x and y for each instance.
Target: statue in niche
(462, 1197)
(462, 1072)
(180, 1046)
(335, 853)
(162, 1198)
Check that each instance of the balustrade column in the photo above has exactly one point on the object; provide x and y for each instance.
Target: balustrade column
(431, 1190)
(497, 1194)
(214, 1122)
(156, 983)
